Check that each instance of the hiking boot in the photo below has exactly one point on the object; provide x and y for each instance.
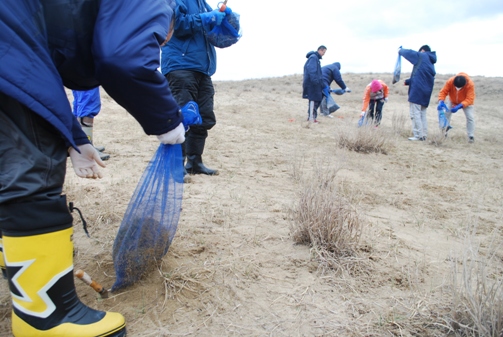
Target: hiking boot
(415, 138)
(471, 140)
(329, 116)
(315, 121)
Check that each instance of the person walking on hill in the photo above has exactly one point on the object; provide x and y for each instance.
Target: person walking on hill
(460, 90)
(331, 73)
(374, 97)
(188, 61)
(47, 46)
(313, 85)
(420, 84)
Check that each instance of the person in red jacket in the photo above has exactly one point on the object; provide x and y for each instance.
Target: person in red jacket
(461, 92)
(376, 94)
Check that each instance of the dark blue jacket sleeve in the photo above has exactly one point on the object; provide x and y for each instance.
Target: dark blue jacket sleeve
(126, 49)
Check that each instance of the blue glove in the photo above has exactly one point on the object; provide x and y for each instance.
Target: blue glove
(326, 91)
(442, 106)
(215, 17)
(191, 116)
(339, 91)
(456, 108)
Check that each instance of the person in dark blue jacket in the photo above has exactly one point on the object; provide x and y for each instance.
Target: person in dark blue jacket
(420, 84)
(86, 106)
(188, 61)
(312, 85)
(332, 73)
(46, 45)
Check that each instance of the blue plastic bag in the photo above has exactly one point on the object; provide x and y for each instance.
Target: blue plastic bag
(227, 33)
(331, 104)
(398, 69)
(443, 123)
(361, 121)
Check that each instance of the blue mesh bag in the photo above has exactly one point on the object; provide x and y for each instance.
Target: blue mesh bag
(227, 33)
(151, 219)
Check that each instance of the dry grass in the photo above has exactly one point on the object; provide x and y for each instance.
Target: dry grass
(324, 219)
(477, 289)
(366, 139)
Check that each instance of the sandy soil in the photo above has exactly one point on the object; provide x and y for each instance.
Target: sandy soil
(233, 268)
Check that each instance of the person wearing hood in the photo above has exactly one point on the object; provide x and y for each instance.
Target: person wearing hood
(312, 85)
(47, 46)
(188, 61)
(420, 84)
(461, 92)
(374, 97)
(331, 73)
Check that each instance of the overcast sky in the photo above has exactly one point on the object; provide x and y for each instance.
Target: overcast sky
(363, 36)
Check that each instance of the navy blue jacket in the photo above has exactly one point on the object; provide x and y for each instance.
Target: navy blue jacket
(313, 79)
(189, 48)
(332, 73)
(80, 44)
(422, 77)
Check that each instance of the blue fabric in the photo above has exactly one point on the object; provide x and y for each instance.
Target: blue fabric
(86, 103)
(442, 120)
(331, 72)
(398, 69)
(191, 115)
(422, 77)
(116, 45)
(189, 48)
(151, 219)
(227, 33)
(456, 108)
(312, 84)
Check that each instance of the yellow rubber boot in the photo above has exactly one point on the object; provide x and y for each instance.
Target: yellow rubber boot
(44, 300)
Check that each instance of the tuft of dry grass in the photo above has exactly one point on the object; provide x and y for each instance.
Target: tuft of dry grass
(477, 289)
(326, 221)
(366, 139)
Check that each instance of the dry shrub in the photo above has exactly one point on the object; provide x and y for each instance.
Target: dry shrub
(477, 290)
(398, 121)
(366, 139)
(325, 220)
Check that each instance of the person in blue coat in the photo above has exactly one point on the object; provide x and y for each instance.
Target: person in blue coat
(420, 84)
(332, 73)
(86, 106)
(188, 61)
(45, 46)
(312, 85)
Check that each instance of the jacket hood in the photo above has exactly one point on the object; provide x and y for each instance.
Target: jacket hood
(433, 56)
(338, 65)
(310, 53)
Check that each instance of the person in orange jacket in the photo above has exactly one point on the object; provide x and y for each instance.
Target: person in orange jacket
(461, 92)
(376, 94)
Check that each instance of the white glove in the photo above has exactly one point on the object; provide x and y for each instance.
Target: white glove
(362, 114)
(386, 100)
(347, 90)
(85, 164)
(175, 136)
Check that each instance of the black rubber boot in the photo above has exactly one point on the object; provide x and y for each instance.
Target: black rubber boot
(195, 165)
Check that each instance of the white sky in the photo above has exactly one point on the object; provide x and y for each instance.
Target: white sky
(363, 36)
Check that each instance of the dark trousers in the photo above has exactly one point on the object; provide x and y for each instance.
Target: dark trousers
(312, 109)
(194, 86)
(375, 111)
(33, 158)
